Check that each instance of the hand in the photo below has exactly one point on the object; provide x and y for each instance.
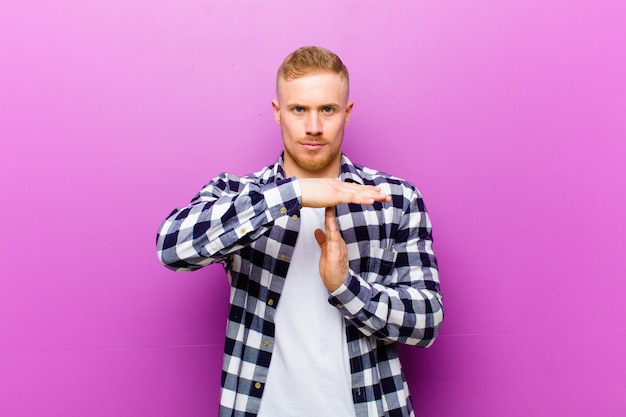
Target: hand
(328, 192)
(333, 263)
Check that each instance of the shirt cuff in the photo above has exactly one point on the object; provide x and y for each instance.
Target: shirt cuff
(282, 198)
(350, 295)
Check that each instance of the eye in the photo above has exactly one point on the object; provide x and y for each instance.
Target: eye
(298, 109)
(328, 110)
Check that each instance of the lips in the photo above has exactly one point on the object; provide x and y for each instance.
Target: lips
(312, 146)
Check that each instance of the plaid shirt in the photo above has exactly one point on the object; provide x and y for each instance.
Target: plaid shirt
(250, 225)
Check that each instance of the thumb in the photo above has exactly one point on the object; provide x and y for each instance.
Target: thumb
(320, 237)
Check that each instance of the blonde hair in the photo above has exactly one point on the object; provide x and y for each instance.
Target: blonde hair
(310, 60)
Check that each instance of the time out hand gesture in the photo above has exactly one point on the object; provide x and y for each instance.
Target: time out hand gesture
(329, 192)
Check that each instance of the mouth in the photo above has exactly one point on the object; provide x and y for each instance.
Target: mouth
(312, 145)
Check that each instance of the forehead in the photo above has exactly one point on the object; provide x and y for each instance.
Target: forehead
(322, 87)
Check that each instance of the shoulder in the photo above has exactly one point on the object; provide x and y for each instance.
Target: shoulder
(227, 183)
(231, 181)
(395, 185)
(358, 173)
(404, 195)
(402, 192)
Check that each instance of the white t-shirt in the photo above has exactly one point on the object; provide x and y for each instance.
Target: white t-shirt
(309, 375)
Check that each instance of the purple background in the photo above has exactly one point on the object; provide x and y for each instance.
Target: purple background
(509, 116)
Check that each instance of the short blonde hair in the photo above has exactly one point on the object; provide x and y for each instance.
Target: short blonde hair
(310, 60)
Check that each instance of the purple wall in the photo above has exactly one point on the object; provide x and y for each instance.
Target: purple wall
(509, 116)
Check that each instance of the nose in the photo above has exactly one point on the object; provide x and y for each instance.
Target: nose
(313, 124)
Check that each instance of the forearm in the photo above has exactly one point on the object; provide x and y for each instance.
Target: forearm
(220, 221)
(393, 293)
(410, 314)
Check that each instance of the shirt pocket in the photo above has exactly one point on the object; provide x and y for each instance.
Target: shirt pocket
(374, 264)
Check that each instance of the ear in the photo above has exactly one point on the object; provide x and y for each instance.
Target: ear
(276, 108)
(348, 112)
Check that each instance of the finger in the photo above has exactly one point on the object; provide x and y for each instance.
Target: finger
(334, 241)
(363, 194)
(329, 215)
(320, 236)
(330, 222)
(356, 186)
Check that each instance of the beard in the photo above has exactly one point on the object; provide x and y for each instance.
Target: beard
(315, 160)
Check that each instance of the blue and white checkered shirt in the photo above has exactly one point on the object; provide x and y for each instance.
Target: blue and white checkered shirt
(250, 225)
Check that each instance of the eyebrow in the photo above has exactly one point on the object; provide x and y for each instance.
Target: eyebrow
(322, 106)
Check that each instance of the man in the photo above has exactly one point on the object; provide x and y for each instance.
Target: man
(330, 263)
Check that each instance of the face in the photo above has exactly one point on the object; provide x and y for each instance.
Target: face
(312, 112)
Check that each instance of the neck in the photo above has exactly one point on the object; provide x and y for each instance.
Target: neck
(292, 169)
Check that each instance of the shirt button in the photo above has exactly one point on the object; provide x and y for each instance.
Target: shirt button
(283, 210)
(242, 230)
(257, 385)
(266, 343)
(339, 305)
(294, 217)
(283, 257)
(270, 302)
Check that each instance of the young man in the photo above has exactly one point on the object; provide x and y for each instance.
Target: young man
(330, 263)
